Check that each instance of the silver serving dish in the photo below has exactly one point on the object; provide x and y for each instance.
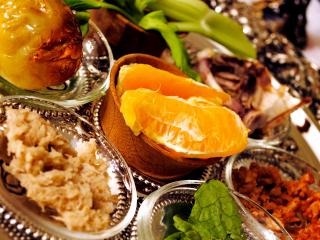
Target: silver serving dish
(23, 218)
(289, 165)
(150, 223)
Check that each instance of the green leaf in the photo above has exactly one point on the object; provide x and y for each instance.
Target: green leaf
(142, 4)
(156, 21)
(215, 213)
(81, 5)
(175, 236)
(181, 10)
(228, 33)
(181, 224)
(119, 3)
(84, 28)
(183, 210)
(213, 216)
(186, 229)
(192, 235)
(82, 17)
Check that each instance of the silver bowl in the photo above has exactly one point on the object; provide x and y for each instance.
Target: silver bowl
(289, 166)
(89, 83)
(153, 209)
(22, 218)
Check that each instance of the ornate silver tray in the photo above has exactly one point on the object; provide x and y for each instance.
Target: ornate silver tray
(284, 60)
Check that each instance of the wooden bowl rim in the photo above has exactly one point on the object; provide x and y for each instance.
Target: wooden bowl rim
(148, 59)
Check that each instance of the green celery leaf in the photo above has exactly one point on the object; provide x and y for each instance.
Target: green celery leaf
(181, 10)
(81, 5)
(228, 33)
(142, 4)
(82, 17)
(119, 3)
(84, 28)
(157, 21)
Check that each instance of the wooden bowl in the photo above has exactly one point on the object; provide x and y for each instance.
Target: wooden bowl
(142, 154)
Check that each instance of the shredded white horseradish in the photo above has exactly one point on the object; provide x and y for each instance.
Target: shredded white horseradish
(74, 182)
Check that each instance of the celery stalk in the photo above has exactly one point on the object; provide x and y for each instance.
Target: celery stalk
(196, 16)
(171, 16)
(142, 4)
(181, 10)
(82, 5)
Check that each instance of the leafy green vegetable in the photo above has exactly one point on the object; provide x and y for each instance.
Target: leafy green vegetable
(181, 209)
(214, 216)
(82, 5)
(196, 16)
(171, 16)
(83, 18)
(142, 4)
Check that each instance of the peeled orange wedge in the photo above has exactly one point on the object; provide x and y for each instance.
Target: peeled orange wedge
(136, 76)
(193, 128)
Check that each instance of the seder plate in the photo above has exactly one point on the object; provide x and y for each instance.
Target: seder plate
(281, 58)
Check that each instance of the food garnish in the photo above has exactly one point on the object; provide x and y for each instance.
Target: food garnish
(295, 203)
(71, 182)
(214, 215)
(40, 43)
(191, 128)
(169, 17)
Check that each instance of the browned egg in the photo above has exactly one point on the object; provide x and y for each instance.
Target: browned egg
(40, 43)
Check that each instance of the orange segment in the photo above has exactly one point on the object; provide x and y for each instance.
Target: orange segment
(194, 128)
(136, 76)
